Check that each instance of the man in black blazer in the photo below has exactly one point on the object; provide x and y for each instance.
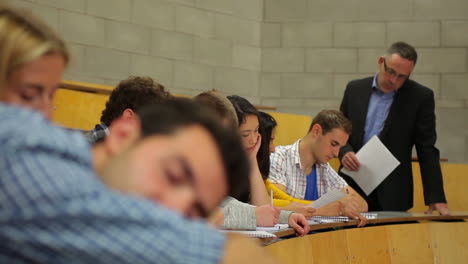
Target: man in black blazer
(401, 113)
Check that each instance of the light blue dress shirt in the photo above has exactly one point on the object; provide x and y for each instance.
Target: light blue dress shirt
(53, 209)
(377, 112)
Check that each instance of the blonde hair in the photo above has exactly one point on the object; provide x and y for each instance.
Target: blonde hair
(23, 39)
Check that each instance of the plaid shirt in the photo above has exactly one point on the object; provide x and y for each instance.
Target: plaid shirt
(53, 209)
(286, 169)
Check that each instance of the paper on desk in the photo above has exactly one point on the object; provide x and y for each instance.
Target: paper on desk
(327, 198)
(274, 228)
(376, 164)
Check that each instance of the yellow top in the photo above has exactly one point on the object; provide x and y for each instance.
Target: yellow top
(281, 198)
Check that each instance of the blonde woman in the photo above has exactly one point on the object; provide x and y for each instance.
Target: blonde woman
(33, 59)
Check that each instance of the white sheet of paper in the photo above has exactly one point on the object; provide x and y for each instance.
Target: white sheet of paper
(376, 164)
(275, 228)
(327, 198)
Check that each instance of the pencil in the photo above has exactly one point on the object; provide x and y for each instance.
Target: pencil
(271, 196)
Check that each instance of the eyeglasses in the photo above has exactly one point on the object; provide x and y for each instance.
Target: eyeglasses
(393, 73)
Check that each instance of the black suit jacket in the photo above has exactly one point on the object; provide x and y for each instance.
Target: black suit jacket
(410, 122)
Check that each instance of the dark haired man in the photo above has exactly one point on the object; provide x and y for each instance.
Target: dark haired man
(55, 210)
(126, 99)
(302, 170)
(400, 112)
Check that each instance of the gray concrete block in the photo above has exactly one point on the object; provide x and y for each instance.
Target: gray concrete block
(285, 10)
(331, 60)
(184, 92)
(48, 14)
(453, 120)
(454, 86)
(82, 77)
(283, 102)
(113, 9)
(379, 10)
(83, 29)
(195, 21)
(237, 30)
(193, 76)
(307, 85)
(72, 5)
(447, 103)
(307, 34)
(455, 33)
(452, 147)
(223, 6)
(333, 10)
(341, 80)
(107, 63)
(368, 59)
(444, 60)
(183, 2)
(251, 9)
(359, 34)
(321, 104)
(430, 80)
(270, 85)
(236, 81)
(211, 51)
(283, 60)
(154, 13)
(440, 9)
(77, 58)
(157, 68)
(172, 45)
(418, 34)
(271, 35)
(128, 37)
(247, 57)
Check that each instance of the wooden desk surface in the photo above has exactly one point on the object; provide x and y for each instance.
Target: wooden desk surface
(423, 240)
(382, 218)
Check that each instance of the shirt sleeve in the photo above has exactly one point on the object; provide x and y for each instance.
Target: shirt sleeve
(55, 210)
(335, 181)
(238, 215)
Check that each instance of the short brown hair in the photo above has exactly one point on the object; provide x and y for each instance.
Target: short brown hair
(331, 119)
(220, 104)
(133, 93)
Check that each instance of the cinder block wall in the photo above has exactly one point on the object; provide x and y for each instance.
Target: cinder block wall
(296, 55)
(188, 45)
(312, 48)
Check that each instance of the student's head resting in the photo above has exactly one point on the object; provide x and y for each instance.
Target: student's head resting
(184, 159)
(33, 59)
(247, 115)
(328, 132)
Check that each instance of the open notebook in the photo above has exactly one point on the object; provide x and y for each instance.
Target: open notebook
(256, 233)
(333, 219)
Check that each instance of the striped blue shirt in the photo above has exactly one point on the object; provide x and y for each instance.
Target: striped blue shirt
(53, 209)
(377, 112)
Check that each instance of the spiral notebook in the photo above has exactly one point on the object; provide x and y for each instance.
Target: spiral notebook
(257, 233)
(334, 219)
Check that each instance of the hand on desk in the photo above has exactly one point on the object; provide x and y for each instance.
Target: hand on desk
(442, 208)
(267, 215)
(349, 206)
(299, 223)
